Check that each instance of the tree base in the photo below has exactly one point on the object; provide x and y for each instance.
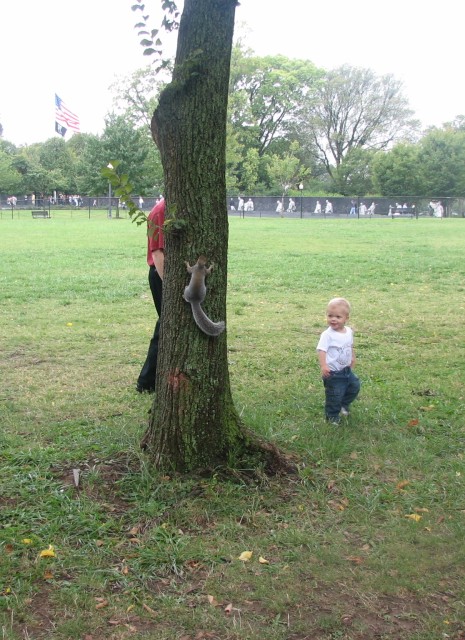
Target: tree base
(254, 459)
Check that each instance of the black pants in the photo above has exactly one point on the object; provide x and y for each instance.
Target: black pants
(146, 380)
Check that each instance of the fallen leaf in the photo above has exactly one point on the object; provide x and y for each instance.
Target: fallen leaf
(262, 560)
(133, 532)
(101, 604)
(402, 484)
(76, 477)
(413, 423)
(149, 609)
(413, 516)
(26, 541)
(213, 601)
(48, 575)
(421, 510)
(245, 556)
(9, 548)
(430, 407)
(337, 505)
(47, 553)
(331, 485)
(355, 559)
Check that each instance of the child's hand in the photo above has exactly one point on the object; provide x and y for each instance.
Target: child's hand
(325, 371)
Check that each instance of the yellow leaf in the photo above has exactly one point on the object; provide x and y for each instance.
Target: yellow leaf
(413, 516)
(47, 553)
(245, 556)
(69, 324)
(262, 560)
(26, 541)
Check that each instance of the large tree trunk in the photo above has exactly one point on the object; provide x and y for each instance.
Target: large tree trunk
(193, 422)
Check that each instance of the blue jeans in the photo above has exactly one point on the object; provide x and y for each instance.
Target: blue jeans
(341, 389)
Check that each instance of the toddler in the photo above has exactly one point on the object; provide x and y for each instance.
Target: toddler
(336, 356)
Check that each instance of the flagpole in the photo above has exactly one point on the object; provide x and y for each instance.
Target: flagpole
(110, 166)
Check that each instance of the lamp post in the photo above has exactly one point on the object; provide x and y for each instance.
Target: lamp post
(301, 188)
(110, 166)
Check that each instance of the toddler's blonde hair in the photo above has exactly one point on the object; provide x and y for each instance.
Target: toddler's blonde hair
(340, 302)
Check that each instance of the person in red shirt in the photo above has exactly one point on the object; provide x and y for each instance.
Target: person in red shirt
(156, 261)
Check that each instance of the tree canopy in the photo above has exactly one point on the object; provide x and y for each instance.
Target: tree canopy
(350, 126)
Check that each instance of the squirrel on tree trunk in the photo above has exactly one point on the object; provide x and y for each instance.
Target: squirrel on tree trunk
(195, 294)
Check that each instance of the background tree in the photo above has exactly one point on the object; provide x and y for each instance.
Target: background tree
(397, 172)
(56, 159)
(265, 95)
(138, 157)
(354, 177)
(136, 95)
(353, 109)
(10, 178)
(286, 172)
(34, 177)
(441, 162)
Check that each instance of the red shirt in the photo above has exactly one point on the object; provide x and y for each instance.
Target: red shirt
(155, 239)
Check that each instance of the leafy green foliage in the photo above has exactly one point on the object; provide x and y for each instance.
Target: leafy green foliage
(151, 42)
(123, 189)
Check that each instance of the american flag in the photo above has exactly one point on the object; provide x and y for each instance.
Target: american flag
(65, 116)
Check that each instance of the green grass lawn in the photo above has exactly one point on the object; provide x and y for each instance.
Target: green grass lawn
(367, 543)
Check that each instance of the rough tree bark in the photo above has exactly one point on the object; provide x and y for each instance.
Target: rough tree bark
(193, 422)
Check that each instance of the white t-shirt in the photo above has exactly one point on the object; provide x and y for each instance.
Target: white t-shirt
(338, 347)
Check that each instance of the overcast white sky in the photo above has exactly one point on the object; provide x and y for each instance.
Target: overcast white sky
(76, 48)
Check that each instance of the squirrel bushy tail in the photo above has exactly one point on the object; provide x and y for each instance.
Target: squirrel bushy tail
(195, 293)
(204, 323)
